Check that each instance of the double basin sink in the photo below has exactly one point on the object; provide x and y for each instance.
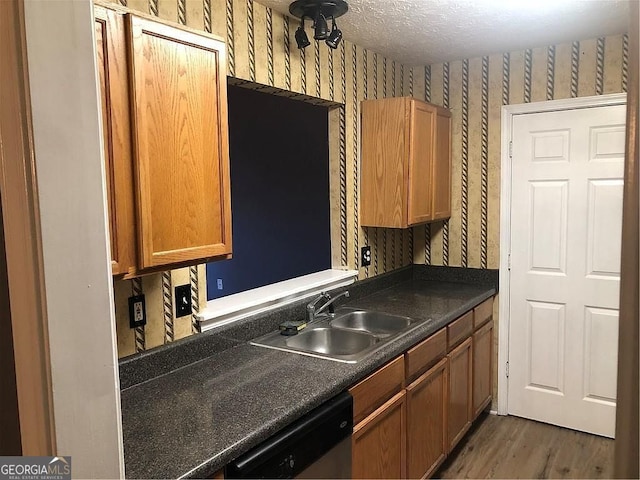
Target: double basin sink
(347, 336)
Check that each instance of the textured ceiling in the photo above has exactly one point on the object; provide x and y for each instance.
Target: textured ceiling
(422, 32)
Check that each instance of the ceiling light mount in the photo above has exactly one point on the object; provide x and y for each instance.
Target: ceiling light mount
(310, 8)
(319, 11)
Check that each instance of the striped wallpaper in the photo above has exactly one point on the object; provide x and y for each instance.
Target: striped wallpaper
(261, 50)
(475, 90)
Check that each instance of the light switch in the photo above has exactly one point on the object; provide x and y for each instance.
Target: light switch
(183, 300)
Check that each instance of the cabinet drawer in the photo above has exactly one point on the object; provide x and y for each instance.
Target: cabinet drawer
(482, 313)
(425, 354)
(459, 330)
(377, 388)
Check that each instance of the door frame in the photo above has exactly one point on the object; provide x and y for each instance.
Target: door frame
(27, 372)
(508, 114)
(68, 164)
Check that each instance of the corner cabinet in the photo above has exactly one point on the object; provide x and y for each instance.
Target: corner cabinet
(168, 161)
(406, 163)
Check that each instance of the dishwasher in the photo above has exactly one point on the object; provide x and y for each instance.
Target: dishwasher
(316, 446)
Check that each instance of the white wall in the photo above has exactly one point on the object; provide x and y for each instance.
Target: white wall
(68, 149)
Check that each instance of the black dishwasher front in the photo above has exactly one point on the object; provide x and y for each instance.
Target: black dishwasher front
(316, 446)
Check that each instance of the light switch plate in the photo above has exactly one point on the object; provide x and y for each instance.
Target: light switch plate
(183, 300)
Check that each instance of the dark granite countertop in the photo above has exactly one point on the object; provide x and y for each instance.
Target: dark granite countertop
(194, 420)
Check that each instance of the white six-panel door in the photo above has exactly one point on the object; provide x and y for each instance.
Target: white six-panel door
(566, 217)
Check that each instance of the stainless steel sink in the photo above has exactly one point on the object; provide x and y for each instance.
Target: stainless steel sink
(377, 323)
(331, 341)
(348, 336)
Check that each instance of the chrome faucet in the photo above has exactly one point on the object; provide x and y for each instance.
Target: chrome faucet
(313, 312)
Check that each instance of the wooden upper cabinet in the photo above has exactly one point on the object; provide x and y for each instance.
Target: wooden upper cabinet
(181, 151)
(406, 163)
(442, 166)
(422, 121)
(114, 95)
(164, 116)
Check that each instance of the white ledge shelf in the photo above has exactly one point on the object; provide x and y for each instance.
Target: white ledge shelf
(225, 310)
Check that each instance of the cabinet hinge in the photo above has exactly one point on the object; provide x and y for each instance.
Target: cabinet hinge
(510, 149)
(507, 369)
(509, 262)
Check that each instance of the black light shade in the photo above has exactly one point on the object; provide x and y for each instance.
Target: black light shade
(333, 40)
(321, 29)
(301, 37)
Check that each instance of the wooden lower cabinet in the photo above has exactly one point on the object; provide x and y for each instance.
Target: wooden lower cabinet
(219, 475)
(373, 391)
(426, 427)
(459, 414)
(379, 442)
(482, 368)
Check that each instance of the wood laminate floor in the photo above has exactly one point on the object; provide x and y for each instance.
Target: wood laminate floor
(512, 447)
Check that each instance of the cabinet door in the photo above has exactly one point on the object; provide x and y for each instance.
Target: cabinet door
(181, 144)
(420, 162)
(379, 448)
(383, 188)
(112, 72)
(426, 417)
(442, 167)
(460, 371)
(482, 367)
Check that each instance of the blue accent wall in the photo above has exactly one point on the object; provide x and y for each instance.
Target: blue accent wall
(279, 153)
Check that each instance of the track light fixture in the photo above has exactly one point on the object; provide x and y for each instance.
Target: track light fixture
(333, 40)
(319, 11)
(321, 29)
(301, 36)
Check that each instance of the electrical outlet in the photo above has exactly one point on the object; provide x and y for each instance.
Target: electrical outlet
(183, 300)
(365, 256)
(137, 311)
(219, 282)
